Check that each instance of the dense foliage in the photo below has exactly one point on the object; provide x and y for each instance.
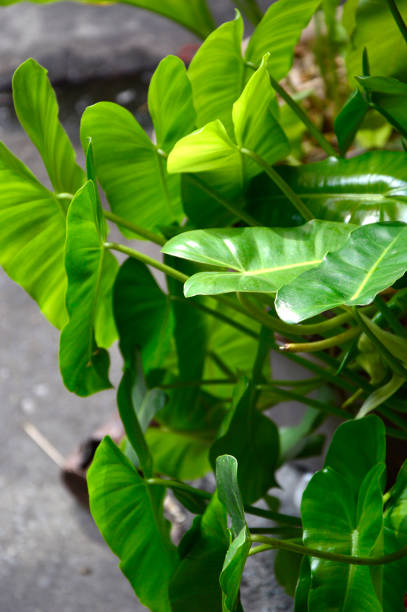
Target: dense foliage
(265, 249)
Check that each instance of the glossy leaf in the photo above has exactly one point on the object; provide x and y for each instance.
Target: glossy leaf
(371, 260)
(183, 455)
(253, 440)
(389, 97)
(216, 73)
(261, 259)
(342, 513)
(37, 110)
(229, 493)
(32, 237)
(349, 120)
(129, 515)
(375, 30)
(195, 584)
(91, 271)
(278, 33)
(130, 169)
(143, 314)
(170, 102)
(364, 189)
(232, 571)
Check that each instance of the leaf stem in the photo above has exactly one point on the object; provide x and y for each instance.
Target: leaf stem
(137, 229)
(398, 18)
(321, 345)
(309, 401)
(172, 272)
(273, 543)
(389, 316)
(184, 384)
(281, 183)
(274, 516)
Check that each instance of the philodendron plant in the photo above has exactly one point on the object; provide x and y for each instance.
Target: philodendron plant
(264, 250)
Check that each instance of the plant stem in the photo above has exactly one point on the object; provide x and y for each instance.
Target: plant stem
(281, 184)
(309, 401)
(237, 212)
(141, 231)
(172, 272)
(274, 516)
(198, 383)
(273, 543)
(398, 18)
(289, 383)
(389, 316)
(321, 345)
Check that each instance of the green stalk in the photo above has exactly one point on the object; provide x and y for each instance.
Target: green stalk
(309, 401)
(280, 182)
(172, 272)
(321, 345)
(285, 519)
(389, 316)
(198, 383)
(398, 18)
(141, 231)
(290, 383)
(273, 543)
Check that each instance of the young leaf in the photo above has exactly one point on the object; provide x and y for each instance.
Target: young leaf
(32, 237)
(371, 260)
(364, 189)
(349, 120)
(278, 33)
(37, 110)
(232, 571)
(229, 493)
(91, 271)
(143, 314)
(261, 259)
(195, 584)
(253, 439)
(216, 73)
(342, 512)
(388, 97)
(380, 395)
(129, 515)
(123, 151)
(170, 102)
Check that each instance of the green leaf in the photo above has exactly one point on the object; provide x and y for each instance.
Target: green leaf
(91, 271)
(278, 33)
(216, 73)
(37, 110)
(129, 515)
(261, 259)
(287, 569)
(295, 440)
(395, 537)
(303, 586)
(232, 571)
(396, 345)
(179, 454)
(32, 237)
(376, 31)
(195, 584)
(122, 151)
(170, 102)
(229, 493)
(371, 260)
(380, 395)
(252, 118)
(342, 513)
(388, 97)
(364, 189)
(143, 314)
(349, 120)
(253, 440)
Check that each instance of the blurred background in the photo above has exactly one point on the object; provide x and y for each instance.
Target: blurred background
(51, 555)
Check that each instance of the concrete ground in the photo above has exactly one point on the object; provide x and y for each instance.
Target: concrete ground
(52, 557)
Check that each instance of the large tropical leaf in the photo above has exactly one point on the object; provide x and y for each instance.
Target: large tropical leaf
(261, 259)
(37, 110)
(253, 440)
(388, 96)
(129, 515)
(371, 260)
(372, 27)
(130, 169)
(364, 189)
(195, 584)
(342, 512)
(32, 237)
(91, 271)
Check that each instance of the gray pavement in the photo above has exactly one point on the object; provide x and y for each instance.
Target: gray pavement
(51, 555)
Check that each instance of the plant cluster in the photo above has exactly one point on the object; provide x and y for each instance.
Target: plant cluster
(263, 251)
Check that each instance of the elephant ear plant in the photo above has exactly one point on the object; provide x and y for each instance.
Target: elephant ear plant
(263, 250)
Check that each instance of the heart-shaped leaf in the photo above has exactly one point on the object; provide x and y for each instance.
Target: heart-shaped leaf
(129, 515)
(371, 260)
(91, 271)
(261, 259)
